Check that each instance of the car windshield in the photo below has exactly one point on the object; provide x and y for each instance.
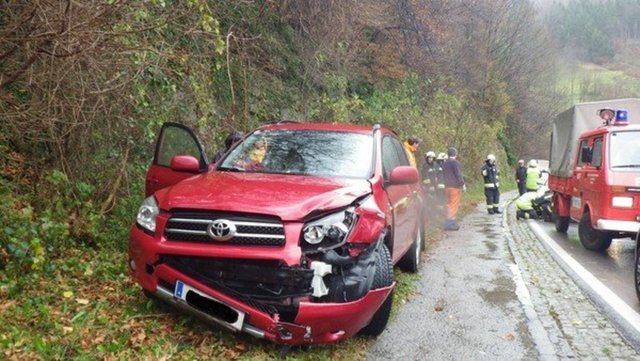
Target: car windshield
(625, 150)
(308, 152)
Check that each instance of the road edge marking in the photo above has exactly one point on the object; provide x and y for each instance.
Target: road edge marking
(607, 296)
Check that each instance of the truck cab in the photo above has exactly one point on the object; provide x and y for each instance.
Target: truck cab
(601, 191)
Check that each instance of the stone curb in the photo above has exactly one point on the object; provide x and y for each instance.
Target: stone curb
(573, 324)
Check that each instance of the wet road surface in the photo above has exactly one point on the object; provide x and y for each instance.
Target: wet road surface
(494, 291)
(614, 267)
(466, 306)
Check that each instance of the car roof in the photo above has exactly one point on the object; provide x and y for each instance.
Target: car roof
(337, 127)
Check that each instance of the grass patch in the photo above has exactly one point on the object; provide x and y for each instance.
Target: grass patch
(584, 82)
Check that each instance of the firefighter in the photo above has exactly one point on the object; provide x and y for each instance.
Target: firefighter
(521, 177)
(411, 148)
(524, 206)
(533, 175)
(429, 172)
(454, 186)
(441, 195)
(491, 175)
(429, 182)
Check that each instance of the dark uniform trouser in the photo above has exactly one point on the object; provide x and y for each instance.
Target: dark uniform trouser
(493, 198)
(522, 188)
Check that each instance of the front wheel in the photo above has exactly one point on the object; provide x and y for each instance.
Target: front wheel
(591, 238)
(562, 224)
(383, 277)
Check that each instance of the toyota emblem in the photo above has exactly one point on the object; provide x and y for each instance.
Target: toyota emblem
(221, 230)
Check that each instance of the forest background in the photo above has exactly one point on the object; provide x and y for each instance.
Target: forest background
(86, 85)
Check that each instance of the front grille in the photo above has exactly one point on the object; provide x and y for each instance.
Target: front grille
(262, 284)
(186, 226)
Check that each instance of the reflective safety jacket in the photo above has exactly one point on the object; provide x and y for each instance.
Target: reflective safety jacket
(491, 175)
(525, 201)
(430, 173)
(533, 174)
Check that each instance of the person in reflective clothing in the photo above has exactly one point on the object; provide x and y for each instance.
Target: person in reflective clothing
(429, 173)
(533, 175)
(524, 206)
(491, 175)
(441, 195)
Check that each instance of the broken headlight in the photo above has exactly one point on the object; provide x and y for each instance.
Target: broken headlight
(329, 231)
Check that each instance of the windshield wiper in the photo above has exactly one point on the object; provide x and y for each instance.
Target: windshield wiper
(232, 169)
(627, 166)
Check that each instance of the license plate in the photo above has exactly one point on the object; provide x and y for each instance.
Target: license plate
(220, 311)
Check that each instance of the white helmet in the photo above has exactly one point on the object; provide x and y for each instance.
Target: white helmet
(430, 153)
(491, 157)
(533, 163)
(441, 156)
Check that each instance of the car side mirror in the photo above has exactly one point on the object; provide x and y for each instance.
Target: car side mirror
(404, 174)
(587, 154)
(185, 163)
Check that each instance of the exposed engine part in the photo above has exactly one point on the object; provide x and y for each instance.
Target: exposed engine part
(320, 269)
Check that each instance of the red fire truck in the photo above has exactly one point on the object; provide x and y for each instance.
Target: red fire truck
(595, 170)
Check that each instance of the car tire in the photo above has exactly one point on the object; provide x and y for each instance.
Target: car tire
(383, 277)
(562, 224)
(410, 262)
(637, 266)
(591, 238)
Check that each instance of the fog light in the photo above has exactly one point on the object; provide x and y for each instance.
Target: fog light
(132, 265)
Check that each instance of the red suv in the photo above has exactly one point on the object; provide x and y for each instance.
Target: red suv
(291, 236)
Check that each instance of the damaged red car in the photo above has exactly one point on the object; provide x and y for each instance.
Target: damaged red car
(292, 236)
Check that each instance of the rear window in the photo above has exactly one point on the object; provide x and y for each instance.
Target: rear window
(304, 152)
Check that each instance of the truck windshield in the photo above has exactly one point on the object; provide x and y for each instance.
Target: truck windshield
(308, 152)
(625, 150)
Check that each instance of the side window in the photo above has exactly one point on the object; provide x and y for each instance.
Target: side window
(402, 154)
(390, 158)
(176, 140)
(596, 161)
(583, 144)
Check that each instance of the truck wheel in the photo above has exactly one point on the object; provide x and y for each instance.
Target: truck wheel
(591, 238)
(562, 224)
(410, 262)
(382, 278)
(637, 267)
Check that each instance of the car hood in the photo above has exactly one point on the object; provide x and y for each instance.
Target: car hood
(289, 197)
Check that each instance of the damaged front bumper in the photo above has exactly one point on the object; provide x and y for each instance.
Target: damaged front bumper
(314, 322)
(215, 291)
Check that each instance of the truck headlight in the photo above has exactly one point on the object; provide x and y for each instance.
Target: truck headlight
(622, 202)
(147, 214)
(329, 231)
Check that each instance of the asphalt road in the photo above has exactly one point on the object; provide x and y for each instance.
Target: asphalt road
(502, 289)
(614, 268)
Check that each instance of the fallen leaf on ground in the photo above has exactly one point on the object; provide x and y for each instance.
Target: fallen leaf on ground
(82, 301)
(508, 337)
(67, 294)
